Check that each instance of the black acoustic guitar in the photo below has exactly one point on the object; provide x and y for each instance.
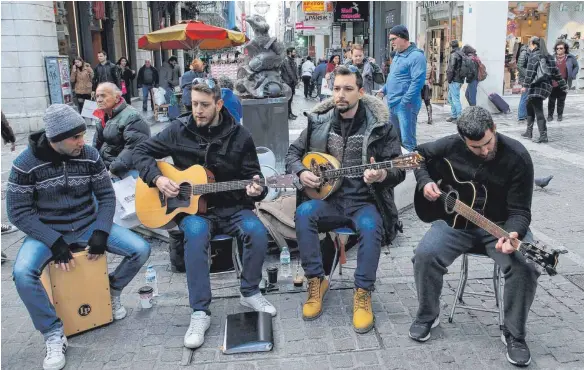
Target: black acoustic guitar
(462, 203)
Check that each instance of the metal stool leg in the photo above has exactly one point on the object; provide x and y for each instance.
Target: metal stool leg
(334, 266)
(501, 303)
(461, 284)
(496, 283)
(237, 265)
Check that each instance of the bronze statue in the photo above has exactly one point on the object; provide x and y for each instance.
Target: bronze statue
(260, 76)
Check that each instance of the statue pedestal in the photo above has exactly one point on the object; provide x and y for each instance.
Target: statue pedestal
(267, 120)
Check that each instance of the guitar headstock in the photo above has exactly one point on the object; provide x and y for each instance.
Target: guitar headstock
(538, 253)
(408, 161)
(281, 182)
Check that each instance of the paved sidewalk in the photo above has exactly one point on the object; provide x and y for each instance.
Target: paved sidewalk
(152, 339)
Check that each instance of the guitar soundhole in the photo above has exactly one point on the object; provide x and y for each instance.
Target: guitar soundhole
(450, 201)
(319, 169)
(182, 200)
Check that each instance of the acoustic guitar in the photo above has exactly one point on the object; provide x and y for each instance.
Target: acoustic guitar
(329, 170)
(155, 210)
(462, 203)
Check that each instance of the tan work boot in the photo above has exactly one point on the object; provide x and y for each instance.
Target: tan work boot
(363, 318)
(317, 288)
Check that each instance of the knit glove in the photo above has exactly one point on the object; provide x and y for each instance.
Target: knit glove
(98, 242)
(61, 251)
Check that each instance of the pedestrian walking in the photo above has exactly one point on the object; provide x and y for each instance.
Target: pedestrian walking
(169, 77)
(568, 66)
(370, 71)
(307, 70)
(147, 79)
(318, 76)
(82, 77)
(522, 68)
(541, 72)
(127, 74)
(289, 74)
(404, 84)
(473, 79)
(455, 81)
(427, 91)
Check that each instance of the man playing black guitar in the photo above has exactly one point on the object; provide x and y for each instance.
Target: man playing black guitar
(210, 137)
(503, 168)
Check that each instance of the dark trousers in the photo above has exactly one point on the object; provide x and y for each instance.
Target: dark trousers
(471, 93)
(535, 113)
(81, 98)
(306, 82)
(559, 96)
(293, 88)
(438, 249)
(316, 216)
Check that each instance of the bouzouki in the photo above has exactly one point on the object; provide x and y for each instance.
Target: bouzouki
(155, 210)
(462, 203)
(329, 170)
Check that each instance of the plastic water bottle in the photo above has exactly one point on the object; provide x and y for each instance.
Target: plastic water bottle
(285, 271)
(151, 279)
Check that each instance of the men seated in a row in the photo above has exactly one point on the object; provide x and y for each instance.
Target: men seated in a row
(210, 137)
(352, 127)
(51, 196)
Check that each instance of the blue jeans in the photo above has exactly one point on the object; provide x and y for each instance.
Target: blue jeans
(522, 110)
(471, 93)
(199, 231)
(34, 255)
(404, 118)
(146, 90)
(316, 216)
(454, 99)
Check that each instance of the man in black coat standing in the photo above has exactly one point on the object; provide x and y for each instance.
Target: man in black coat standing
(289, 73)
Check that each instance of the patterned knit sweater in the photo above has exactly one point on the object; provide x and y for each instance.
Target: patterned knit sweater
(50, 195)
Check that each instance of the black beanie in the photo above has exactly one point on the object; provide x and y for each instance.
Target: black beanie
(400, 31)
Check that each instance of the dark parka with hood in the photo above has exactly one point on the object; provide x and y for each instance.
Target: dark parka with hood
(380, 141)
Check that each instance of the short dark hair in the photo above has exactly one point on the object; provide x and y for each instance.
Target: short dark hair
(290, 50)
(172, 58)
(473, 122)
(102, 52)
(309, 58)
(345, 71)
(215, 91)
(564, 44)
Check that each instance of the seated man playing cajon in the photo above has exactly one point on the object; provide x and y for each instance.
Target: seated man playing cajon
(50, 197)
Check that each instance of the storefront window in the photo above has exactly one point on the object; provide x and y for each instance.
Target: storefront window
(440, 22)
(524, 20)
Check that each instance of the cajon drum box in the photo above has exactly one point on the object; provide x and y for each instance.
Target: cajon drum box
(81, 296)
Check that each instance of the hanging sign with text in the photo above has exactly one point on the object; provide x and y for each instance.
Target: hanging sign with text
(351, 11)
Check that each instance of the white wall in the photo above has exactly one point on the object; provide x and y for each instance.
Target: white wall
(29, 34)
(484, 28)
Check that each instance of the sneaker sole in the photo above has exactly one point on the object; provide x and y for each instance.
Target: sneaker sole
(306, 318)
(434, 324)
(367, 329)
(504, 340)
(250, 306)
(199, 346)
(57, 366)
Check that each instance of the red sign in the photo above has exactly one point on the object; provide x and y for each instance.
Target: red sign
(243, 23)
(301, 26)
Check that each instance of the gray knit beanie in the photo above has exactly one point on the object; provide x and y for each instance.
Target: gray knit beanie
(62, 122)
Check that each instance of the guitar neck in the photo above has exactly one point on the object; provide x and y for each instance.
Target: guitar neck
(357, 170)
(216, 187)
(476, 218)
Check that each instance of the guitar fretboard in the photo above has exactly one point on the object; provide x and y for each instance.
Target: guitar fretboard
(216, 187)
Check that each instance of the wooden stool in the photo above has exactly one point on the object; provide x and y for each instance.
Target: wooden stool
(81, 296)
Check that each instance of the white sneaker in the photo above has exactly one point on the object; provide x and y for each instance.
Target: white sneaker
(195, 335)
(258, 303)
(118, 310)
(56, 347)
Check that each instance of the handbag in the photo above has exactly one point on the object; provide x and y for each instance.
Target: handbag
(124, 89)
(543, 72)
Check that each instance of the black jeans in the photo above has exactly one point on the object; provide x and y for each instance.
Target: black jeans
(293, 88)
(306, 81)
(559, 96)
(81, 98)
(535, 108)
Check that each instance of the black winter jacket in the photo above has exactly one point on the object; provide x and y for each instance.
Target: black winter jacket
(140, 80)
(227, 150)
(542, 89)
(522, 62)
(108, 72)
(289, 71)
(454, 66)
(115, 142)
(382, 143)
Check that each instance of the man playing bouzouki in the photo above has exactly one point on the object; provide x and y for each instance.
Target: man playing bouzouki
(354, 128)
(504, 168)
(210, 137)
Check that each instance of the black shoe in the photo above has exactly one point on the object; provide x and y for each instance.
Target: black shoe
(291, 117)
(517, 350)
(144, 109)
(560, 118)
(420, 331)
(450, 119)
(550, 118)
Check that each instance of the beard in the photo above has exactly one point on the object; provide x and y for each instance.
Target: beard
(347, 108)
(207, 122)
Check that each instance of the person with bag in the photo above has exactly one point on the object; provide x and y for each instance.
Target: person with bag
(60, 196)
(126, 76)
(352, 126)
(370, 71)
(455, 81)
(210, 137)
(541, 71)
(318, 76)
(522, 68)
(427, 91)
(147, 80)
(307, 70)
(119, 129)
(471, 63)
(289, 74)
(568, 66)
(82, 77)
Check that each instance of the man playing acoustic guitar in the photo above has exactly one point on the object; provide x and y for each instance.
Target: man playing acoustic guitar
(504, 169)
(210, 137)
(354, 128)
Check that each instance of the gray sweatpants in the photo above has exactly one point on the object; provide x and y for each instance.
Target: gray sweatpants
(438, 249)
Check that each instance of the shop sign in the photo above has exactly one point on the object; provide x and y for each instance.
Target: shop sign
(313, 6)
(302, 26)
(318, 20)
(430, 4)
(352, 11)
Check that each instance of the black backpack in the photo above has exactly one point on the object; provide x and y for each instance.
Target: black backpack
(468, 67)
